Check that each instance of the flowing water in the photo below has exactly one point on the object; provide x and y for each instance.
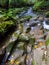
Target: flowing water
(26, 25)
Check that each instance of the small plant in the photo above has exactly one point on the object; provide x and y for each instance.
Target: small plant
(38, 5)
(5, 25)
(47, 41)
(47, 14)
(32, 63)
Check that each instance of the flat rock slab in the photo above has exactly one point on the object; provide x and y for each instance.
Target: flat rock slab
(38, 56)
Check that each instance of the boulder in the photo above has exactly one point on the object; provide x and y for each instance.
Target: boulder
(41, 19)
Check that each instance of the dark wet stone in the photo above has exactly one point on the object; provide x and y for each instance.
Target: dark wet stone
(47, 19)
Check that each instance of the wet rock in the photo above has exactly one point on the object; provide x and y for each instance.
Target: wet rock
(28, 30)
(41, 19)
(15, 36)
(20, 60)
(16, 54)
(29, 59)
(29, 48)
(20, 45)
(33, 24)
(9, 47)
(34, 18)
(25, 18)
(32, 40)
(47, 19)
(31, 33)
(1, 57)
(23, 37)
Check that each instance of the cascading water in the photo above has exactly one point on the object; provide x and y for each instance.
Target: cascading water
(30, 12)
(46, 25)
(26, 24)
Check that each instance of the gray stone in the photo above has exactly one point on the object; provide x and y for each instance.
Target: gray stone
(41, 19)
